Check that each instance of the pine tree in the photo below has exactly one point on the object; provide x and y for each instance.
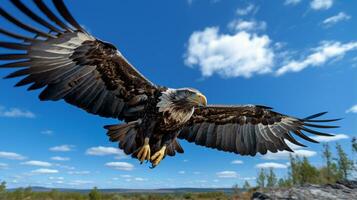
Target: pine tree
(345, 165)
(308, 173)
(261, 179)
(328, 159)
(246, 185)
(94, 194)
(294, 173)
(3, 190)
(271, 178)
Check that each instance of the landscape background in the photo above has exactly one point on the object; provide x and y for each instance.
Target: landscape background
(296, 56)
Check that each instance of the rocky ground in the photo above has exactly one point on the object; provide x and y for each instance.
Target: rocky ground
(340, 190)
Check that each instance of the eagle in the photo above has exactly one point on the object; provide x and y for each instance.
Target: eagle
(68, 63)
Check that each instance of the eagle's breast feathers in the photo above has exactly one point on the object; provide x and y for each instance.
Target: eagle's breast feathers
(170, 107)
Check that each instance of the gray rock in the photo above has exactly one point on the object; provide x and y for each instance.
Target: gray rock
(340, 190)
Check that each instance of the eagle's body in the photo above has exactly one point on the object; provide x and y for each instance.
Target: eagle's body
(71, 64)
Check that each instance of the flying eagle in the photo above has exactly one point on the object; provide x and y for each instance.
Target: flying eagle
(71, 64)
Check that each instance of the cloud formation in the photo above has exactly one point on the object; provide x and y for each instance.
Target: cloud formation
(327, 51)
(330, 138)
(227, 174)
(103, 151)
(37, 163)
(292, 2)
(321, 4)
(16, 113)
(4, 166)
(247, 25)
(120, 166)
(251, 8)
(229, 55)
(341, 16)
(62, 148)
(44, 171)
(353, 109)
(271, 165)
(11, 155)
(237, 162)
(59, 158)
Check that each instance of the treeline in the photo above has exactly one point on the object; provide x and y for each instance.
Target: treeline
(95, 194)
(301, 171)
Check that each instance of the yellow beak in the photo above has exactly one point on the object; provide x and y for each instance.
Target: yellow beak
(201, 99)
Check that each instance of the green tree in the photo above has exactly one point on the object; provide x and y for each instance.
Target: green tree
(3, 190)
(345, 165)
(329, 171)
(271, 178)
(308, 173)
(261, 179)
(95, 194)
(246, 185)
(284, 182)
(294, 173)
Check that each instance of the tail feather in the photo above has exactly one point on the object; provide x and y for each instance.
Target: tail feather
(125, 134)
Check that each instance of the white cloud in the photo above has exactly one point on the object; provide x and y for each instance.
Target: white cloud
(103, 151)
(44, 171)
(292, 2)
(237, 162)
(327, 51)
(330, 138)
(11, 155)
(353, 109)
(284, 155)
(243, 25)
(241, 54)
(120, 166)
(125, 176)
(15, 113)
(78, 172)
(62, 148)
(4, 166)
(37, 163)
(80, 182)
(59, 158)
(227, 174)
(247, 10)
(47, 132)
(321, 4)
(181, 172)
(271, 165)
(55, 178)
(140, 179)
(337, 18)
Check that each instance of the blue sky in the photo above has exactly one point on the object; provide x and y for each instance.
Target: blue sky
(298, 56)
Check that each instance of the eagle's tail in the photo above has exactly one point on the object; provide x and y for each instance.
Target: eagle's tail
(125, 134)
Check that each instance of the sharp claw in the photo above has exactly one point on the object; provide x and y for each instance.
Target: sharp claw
(157, 157)
(144, 151)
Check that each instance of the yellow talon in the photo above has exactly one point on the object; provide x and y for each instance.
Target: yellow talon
(144, 152)
(158, 156)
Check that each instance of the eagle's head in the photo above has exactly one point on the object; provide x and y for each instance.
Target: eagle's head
(188, 97)
(181, 101)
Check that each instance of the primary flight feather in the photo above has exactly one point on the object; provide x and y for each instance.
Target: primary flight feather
(71, 64)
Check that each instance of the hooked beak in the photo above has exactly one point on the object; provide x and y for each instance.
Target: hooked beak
(201, 99)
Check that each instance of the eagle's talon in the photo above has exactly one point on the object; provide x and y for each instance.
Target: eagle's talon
(158, 156)
(144, 152)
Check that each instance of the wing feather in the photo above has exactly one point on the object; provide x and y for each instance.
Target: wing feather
(249, 129)
(72, 65)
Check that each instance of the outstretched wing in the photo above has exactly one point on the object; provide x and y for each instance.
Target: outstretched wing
(73, 65)
(249, 129)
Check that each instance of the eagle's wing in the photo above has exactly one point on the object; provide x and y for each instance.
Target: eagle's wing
(73, 65)
(249, 129)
